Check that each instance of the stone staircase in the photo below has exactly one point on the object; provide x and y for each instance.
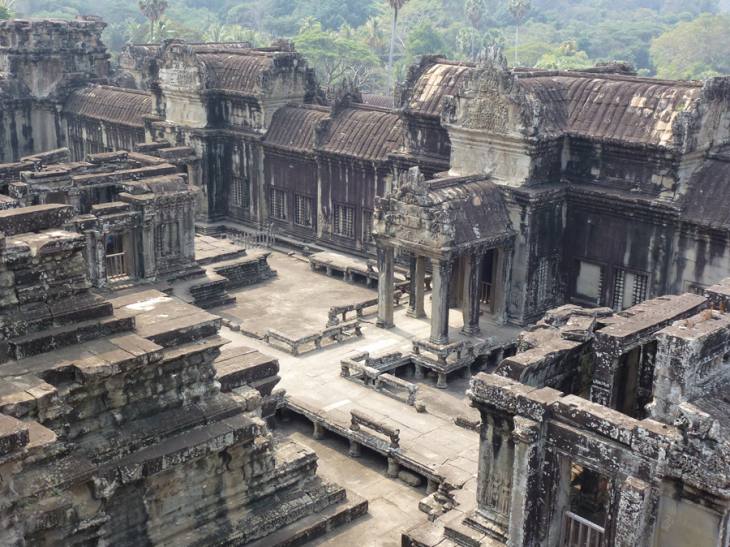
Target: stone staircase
(245, 271)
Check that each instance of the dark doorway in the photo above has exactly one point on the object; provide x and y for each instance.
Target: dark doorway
(487, 290)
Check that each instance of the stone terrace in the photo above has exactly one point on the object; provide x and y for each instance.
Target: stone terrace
(431, 444)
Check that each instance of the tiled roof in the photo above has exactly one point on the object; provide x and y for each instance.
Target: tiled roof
(434, 84)
(110, 104)
(292, 127)
(236, 70)
(365, 133)
(613, 108)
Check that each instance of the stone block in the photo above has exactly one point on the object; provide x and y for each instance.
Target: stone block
(13, 435)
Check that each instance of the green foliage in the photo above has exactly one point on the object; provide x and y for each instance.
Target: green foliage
(696, 49)
(565, 57)
(351, 38)
(424, 40)
(336, 55)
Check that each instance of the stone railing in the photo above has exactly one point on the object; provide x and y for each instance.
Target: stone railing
(335, 312)
(374, 373)
(314, 341)
(262, 239)
(456, 350)
(394, 386)
(359, 420)
(443, 359)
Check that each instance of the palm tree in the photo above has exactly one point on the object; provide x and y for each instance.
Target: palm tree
(519, 10)
(153, 10)
(374, 36)
(474, 10)
(396, 5)
(7, 9)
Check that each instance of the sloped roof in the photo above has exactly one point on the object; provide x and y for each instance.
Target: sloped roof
(443, 215)
(436, 82)
(110, 104)
(236, 70)
(478, 205)
(383, 101)
(611, 107)
(292, 127)
(707, 201)
(365, 133)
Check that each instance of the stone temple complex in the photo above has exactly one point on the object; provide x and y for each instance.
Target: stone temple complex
(239, 309)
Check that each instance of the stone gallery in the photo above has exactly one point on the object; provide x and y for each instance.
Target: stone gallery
(237, 308)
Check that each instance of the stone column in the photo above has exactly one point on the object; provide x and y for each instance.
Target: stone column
(526, 475)
(418, 286)
(502, 283)
(148, 255)
(440, 302)
(472, 288)
(495, 472)
(385, 287)
(635, 498)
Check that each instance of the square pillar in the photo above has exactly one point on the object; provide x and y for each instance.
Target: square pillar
(440, 301)
(635, 500)
(418, 286)
(526, 483)
(386, 281)
(472, 288)
(502, 282)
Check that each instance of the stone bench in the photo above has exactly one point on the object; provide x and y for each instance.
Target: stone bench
(392, 385)
(333, 316)
(336, 333)
(360, 420)
(373, 373)
(442, 359)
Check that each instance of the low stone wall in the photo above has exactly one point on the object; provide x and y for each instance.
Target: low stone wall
(313, 341)
(374, 373)
(246, 271)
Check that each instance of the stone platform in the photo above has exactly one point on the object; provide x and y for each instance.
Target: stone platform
(431, 444)
(114, 428)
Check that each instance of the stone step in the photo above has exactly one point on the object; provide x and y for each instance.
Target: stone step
(291, 516)
(67, 335)
(13, 435)
(240, 366)
(316, 525)
(146, 431)
(39, 316)
(463, 535)
(246, 271)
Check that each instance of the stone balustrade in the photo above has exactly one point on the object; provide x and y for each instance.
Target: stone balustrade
(374, 372)
(392, 385)
(443, 359)
(361, 420)
(313, 341)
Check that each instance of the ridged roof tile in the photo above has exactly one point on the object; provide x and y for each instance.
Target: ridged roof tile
(110, 104)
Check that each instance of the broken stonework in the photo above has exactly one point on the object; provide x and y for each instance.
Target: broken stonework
(120, 422)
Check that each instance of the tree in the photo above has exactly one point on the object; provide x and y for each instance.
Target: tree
(695, 49)
(374, 35)
(519, 10)
(424, 40)
(395, 5)
(565, 57)
(334, 55)
(7, 9)
(474, 11)
(153, 10)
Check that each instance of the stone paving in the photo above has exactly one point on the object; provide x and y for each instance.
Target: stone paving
(392, 505)
(299, 299)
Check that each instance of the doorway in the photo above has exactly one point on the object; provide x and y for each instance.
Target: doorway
(116, 258)
(487, 290)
